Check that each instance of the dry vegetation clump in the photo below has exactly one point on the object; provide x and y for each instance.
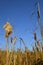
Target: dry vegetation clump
(22, 58)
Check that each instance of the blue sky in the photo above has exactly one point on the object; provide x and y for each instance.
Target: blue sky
(18, 13)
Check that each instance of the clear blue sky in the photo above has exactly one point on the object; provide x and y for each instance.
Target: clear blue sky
(18, 13)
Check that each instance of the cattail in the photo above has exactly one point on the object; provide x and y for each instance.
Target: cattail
(38, 11)
(11, 39)
(8, 29)
(35, 38)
